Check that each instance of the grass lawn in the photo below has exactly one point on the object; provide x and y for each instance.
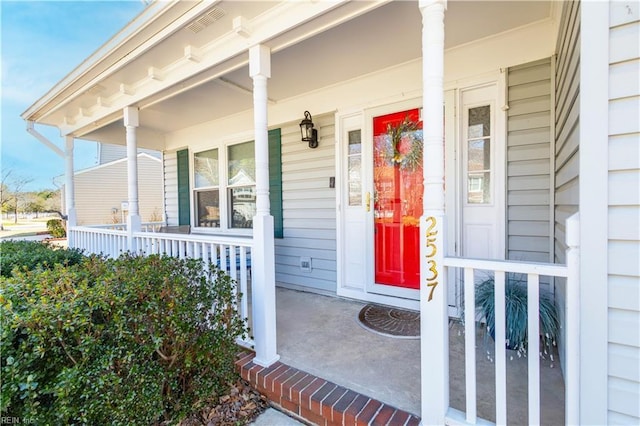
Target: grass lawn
(24, 227)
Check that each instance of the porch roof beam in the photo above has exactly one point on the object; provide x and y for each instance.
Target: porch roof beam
(266, 27)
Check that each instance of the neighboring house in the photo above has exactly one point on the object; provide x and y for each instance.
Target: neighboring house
(101, 191)
(528, 113)
(109, 152)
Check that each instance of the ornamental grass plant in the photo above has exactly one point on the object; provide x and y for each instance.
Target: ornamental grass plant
(133, 340)
(516, 313)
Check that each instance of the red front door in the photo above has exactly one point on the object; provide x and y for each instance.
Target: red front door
(398, 190)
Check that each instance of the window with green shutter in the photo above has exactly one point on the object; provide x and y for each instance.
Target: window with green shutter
(224, 185)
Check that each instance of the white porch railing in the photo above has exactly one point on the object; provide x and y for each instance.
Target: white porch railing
(231, 254)
(533, 271)
(95, 240)
(145, 226)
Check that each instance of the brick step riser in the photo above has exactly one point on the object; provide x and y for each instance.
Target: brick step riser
(317, 401)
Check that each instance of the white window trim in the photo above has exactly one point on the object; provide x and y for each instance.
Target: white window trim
(223, 186)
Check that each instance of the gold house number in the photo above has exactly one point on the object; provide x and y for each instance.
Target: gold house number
(431, 240)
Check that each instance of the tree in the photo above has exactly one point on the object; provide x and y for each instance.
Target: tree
(33, 202)
(11, 188)
(52, 201)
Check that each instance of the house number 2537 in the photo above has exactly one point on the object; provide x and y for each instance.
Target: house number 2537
(432, 282)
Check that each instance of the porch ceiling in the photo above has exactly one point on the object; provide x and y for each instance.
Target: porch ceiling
(315, 54)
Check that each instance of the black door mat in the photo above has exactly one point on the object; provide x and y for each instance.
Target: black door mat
(392, 322)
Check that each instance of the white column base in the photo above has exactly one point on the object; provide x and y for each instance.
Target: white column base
(72, 220)
(264, 292)
(134, 224)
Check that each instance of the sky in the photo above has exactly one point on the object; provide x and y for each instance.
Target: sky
(40, 43)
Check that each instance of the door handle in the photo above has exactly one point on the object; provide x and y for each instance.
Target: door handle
(368, 201)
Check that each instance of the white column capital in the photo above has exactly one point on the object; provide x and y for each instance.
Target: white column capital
(131, 116)
(260, 61)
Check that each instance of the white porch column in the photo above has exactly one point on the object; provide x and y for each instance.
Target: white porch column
(69, 188)
(434, 337)
(131, 122)
(263, 256)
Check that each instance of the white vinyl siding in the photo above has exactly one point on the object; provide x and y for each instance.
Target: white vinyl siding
(624, 215)
(528, 162)
(309, 210)
(170, 176)
(100, 189)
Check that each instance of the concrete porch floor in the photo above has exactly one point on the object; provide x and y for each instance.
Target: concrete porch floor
(321, 335)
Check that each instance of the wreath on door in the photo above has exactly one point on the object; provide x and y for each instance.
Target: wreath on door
(403, 145)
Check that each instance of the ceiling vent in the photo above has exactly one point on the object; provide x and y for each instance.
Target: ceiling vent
(206, 19)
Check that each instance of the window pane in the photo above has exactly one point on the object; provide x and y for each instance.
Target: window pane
(479, 188)
(479, 155)
(355, 194)
(355, 186)
(355, 166)
(355, 142)
(242, 164)
(243, 206)
(208, 208)
(206, 168)
(479, 122)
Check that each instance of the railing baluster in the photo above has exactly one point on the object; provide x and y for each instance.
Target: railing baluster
(223, 257)
(470, 343)
(232, 263)
(501, 356)
(533, 333)
(244, 302)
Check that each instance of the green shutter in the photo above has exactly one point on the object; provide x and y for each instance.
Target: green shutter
(275, 182)
(184, 211)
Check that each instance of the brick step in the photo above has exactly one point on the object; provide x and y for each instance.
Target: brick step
(315, 400)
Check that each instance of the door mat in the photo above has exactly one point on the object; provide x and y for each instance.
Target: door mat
(392, 322)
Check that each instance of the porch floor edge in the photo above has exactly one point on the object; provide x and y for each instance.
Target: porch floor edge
(317, 401)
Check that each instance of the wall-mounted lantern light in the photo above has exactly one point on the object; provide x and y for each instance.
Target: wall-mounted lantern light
(309, 134)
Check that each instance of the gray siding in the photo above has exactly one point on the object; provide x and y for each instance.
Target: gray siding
(567, 93)
(529, 162)
(170, 176)
(624, 216)
(309, 210)
(566, 161)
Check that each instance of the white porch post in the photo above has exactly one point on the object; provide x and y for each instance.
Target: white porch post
(131, 122)
(572, 322)
(434, 340)
(70, 192)
(263, 256)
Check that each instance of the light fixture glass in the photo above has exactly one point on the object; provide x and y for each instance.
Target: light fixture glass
(307, 132)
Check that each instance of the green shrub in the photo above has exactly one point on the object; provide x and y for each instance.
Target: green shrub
(56, 228)
(33, 255)
(135, 340)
